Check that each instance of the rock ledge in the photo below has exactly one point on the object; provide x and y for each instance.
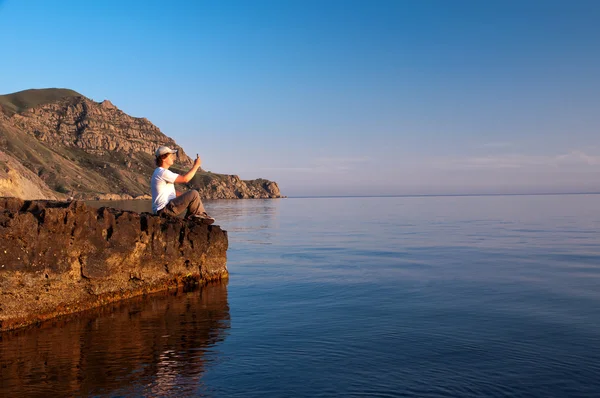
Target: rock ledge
(58, 258)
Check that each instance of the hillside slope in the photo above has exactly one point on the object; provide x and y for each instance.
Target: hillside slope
(18, 181)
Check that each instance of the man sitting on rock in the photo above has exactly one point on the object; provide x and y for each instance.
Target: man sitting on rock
(164, 198)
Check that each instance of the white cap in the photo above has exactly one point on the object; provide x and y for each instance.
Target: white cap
(164, 150)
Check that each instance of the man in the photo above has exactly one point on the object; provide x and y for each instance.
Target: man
(164, 198)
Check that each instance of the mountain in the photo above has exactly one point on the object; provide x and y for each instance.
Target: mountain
(23, 100)
(73, 146)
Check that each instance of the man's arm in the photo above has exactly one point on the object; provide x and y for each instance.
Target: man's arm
(187, 177)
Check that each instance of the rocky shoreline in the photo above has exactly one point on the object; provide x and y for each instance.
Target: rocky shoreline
(59, 258)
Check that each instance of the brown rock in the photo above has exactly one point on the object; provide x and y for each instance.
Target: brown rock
(107, 104)
(79, 122)
(57, 257)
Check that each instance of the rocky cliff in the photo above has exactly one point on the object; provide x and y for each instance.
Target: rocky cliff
(95, 128)
(58, 257)
(86, 149)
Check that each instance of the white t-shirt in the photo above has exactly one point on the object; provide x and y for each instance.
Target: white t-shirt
(163, 188)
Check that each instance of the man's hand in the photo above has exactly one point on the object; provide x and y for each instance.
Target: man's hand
(184, 179)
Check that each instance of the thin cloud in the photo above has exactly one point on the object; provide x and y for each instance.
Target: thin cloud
(290, 169)
(578, 157)
(340, 164)
(325, 165)
(345, 160)
(573, 160)
(497, 145)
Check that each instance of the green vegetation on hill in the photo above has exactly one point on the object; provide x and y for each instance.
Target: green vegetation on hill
(22, 100)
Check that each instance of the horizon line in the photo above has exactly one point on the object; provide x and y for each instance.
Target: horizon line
(442, 195)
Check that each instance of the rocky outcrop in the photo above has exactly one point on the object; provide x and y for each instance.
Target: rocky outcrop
(96, 128)
(62, 257)
(217, 186)
(86, 149)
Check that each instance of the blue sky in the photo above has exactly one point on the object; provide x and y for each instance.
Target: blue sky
(338, 97)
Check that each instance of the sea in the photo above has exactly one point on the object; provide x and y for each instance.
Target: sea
(434, 296)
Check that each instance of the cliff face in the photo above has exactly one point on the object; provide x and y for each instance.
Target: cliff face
(57, 257)
(89, 150)
(96, 128)
(219, 186)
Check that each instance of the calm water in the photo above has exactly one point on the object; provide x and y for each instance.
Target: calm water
(407, 297)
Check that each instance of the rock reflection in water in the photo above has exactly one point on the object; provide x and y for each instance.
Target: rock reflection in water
(154, 345)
